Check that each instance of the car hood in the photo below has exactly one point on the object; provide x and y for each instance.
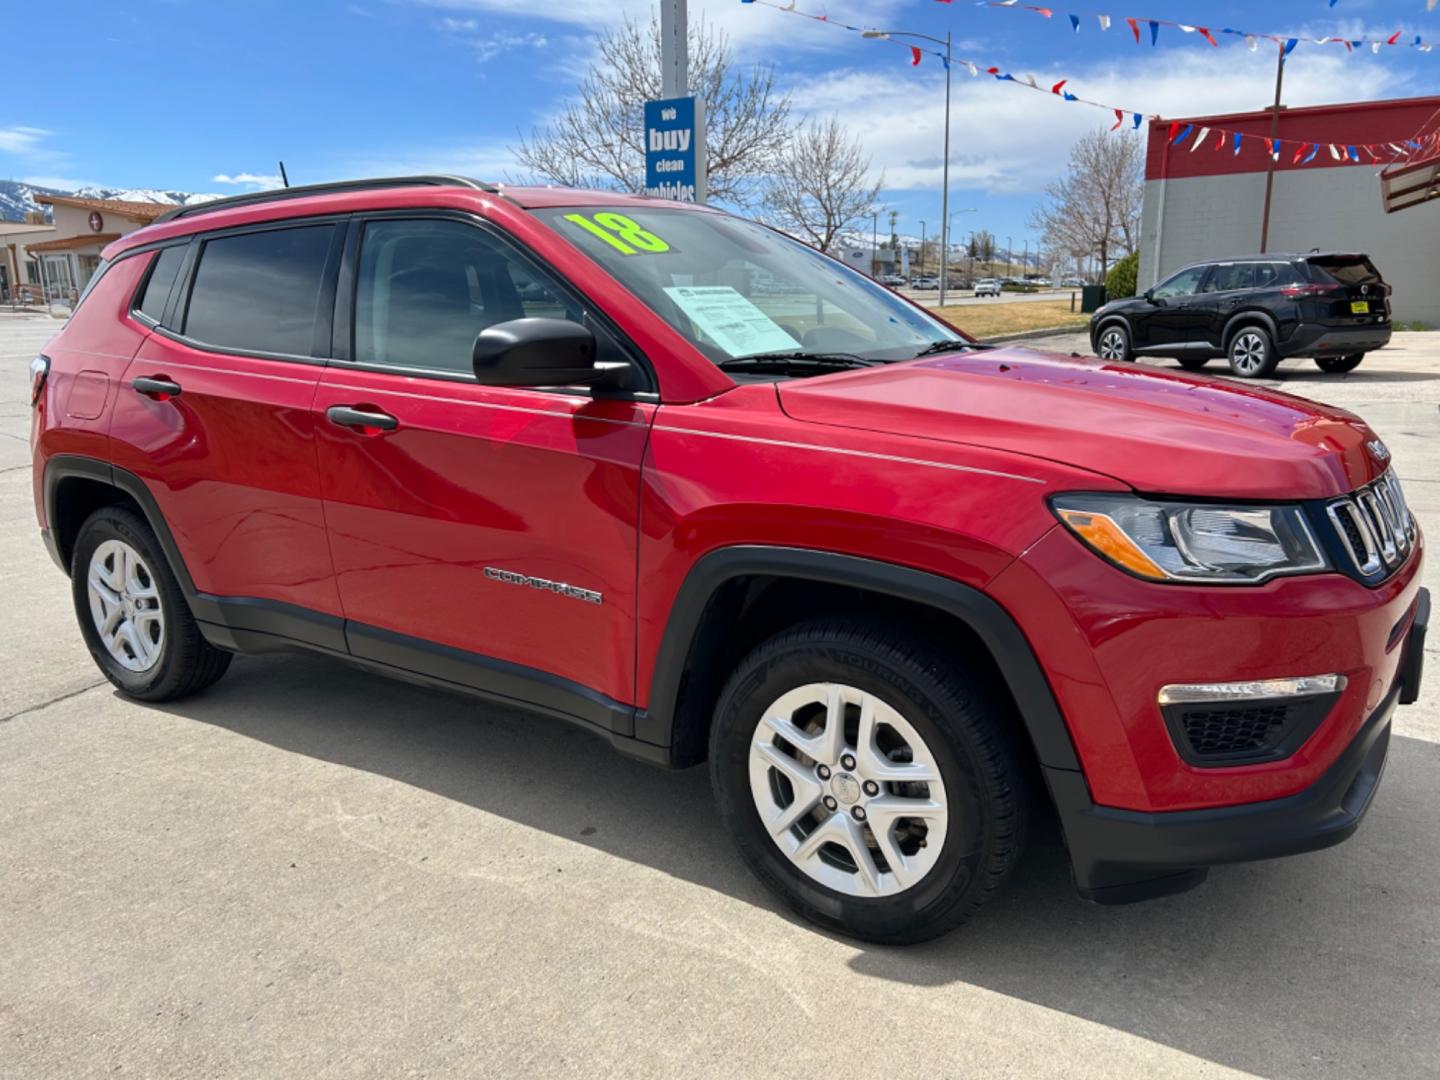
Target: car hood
(1158, 431)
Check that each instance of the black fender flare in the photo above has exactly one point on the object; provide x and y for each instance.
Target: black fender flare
(994, 626)
(1245, 318)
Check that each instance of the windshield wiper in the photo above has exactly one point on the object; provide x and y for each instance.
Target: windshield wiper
(948, 346)
(783, 360)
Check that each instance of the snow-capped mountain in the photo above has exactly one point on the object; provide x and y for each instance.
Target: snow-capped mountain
(17, 199)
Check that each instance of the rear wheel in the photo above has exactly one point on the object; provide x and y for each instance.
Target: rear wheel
(869, 780)
(1252, 353)
(1338, 365)
(132, 613)
(1193, 363)
(1114, 343)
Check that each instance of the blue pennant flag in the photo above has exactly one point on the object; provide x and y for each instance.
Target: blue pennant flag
(1311, 156)
(1154, 32)
(1290, 45)
(1238, 137)
(1138, 121)
(1075, 23)
(1183, 134)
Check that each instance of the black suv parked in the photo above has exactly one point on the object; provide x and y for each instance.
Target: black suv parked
(1257, 311)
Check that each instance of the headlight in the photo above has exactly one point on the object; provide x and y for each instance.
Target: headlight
(1193, 542)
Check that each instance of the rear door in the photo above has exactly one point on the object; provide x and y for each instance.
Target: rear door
(1226, 290)
(214, 416)
(485, 535)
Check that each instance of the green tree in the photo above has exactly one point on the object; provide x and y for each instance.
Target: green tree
(1121, 280)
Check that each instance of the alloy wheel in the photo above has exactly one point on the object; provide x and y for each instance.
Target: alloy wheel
(125, 606)
(1112, 344)
(848, 790)
(1248, 352)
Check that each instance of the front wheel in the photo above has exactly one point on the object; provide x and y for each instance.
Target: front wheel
(1252, 353)
(1338, 365)
(1114, 343)
(132, 613)
(868, 779)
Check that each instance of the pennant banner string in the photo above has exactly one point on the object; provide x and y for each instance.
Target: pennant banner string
(1382, 153)
(1077, 19)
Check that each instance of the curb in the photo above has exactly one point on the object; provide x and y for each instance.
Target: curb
(1000, 339)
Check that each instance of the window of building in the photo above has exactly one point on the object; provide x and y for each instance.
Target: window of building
(258, 292)
(162, 277)
(425, 289)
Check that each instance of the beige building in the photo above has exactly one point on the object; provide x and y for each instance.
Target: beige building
(54, 262)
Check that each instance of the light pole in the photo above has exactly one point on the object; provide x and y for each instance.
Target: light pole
(945, 254)
(945, 178)
(922, 247)
(1009, 256)
(874, 239)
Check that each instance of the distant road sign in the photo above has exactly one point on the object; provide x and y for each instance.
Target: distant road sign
(675, 149)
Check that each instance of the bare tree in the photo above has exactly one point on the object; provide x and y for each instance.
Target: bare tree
(1095, 208)
(982, 247)
(820, 184)
(598, 140)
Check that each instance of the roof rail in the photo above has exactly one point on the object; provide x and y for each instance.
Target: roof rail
(257, 197)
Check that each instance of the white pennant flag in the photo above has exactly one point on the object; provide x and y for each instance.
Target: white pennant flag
(974, 71)
(1251, 43)
(1199, 139)
(1334, 153)
(1375, 47)
(1031, 80)
(1105, 21)
(1187, 29)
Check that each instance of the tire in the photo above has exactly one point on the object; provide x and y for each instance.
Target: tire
(1113, 343)
(1252, 353)
(956, 729)
(1193, 363)
(1338, 365)
(119, 575)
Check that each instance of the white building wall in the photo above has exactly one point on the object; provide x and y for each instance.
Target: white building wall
(1216, 217)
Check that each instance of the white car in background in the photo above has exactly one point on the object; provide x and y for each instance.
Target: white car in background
(987, 287)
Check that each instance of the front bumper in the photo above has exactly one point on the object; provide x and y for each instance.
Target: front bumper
(1314, 340)
(1120, 856)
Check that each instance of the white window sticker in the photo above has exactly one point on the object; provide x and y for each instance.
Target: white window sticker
(730, 320)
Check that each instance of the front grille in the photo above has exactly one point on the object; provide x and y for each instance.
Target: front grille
(1375, 527)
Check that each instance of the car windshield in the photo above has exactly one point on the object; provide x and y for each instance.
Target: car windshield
(736, 289)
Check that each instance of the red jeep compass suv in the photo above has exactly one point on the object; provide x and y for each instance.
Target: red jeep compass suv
(696, 487)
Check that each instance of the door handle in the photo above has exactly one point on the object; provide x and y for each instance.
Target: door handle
(348, 416)
(157, 387)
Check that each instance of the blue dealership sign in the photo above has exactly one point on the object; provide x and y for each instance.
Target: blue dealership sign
(675, 149)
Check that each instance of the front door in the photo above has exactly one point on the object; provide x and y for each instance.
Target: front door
(1177, 316)
(482, 535)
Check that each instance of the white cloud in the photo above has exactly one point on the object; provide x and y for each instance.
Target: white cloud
(21, 140)
(253, 181)
(1007, 138)
(482, 159)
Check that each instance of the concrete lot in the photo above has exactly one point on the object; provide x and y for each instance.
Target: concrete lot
(310, 871)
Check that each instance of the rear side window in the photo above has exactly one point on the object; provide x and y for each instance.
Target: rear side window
(160, 281)
(1347, 271)
(1274, 275)
(258, 292)
(1230, 276)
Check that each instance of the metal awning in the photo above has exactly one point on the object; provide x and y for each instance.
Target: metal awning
(1411, 184)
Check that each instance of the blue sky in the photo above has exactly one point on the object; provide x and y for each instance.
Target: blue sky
(199, 96)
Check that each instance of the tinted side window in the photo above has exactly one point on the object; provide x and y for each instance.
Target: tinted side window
(1184, 283)
(1274, 275)
(425, 289)
(162, 277)
(258, 292)
(1229, 276)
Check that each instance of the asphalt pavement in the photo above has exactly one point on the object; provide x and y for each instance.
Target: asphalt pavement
(310, 871)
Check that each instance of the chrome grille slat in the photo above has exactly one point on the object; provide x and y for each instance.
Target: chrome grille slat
(1374, 525)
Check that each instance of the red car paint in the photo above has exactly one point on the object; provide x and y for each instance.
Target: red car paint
(943, 465)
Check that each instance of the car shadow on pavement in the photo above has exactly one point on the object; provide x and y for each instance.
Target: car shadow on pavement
(1274, 968)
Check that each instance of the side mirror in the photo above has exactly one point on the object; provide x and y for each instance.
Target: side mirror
(539, 352)
(1149, 296)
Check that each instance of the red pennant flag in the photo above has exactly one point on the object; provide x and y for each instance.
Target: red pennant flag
(1043, 11)
(992, 71)
(914, 56)
(1393, 38)
(1371, 151)
(1300, 153)
(1174, 130)
(1270, 147)
(1220, 141)
(1205, 33)
(1119, 119)
(1134, 29)
(1058, 86)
